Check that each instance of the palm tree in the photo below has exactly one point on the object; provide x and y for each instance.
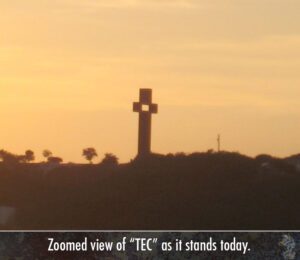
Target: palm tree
(89, 154)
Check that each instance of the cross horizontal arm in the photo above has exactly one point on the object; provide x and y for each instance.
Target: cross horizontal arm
(151, 108)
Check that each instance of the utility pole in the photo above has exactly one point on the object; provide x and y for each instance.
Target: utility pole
(219, 142)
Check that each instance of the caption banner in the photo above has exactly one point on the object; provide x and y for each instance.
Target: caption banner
(95, 245)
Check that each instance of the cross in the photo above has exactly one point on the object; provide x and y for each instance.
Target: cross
(145, 108)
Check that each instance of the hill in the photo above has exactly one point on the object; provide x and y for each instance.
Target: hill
(198, 191)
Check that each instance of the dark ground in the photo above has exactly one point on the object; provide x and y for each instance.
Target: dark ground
(203, 191)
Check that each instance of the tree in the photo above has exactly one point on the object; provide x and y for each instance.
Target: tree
(89, 153)
(29, 156)
(110, 160)
(50, 158)
(8, 157)
(47, 153)
(56, 160)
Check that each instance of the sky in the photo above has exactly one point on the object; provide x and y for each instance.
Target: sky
(70, 70)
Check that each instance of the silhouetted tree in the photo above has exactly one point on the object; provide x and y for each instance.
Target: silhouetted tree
(89, 153)
(29, 156)
(8, 157)
(53, 159)
(47, 153)
(110, 160)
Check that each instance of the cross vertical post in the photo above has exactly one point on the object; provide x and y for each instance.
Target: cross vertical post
(145, 108)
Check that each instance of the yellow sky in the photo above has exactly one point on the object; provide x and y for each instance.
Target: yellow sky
(70, 70)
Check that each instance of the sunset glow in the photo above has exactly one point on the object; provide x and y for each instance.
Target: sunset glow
(70, 70)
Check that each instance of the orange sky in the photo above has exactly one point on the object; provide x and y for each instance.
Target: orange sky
(70, 70)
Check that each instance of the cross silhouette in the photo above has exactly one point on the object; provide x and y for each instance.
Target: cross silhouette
(145, 108)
